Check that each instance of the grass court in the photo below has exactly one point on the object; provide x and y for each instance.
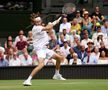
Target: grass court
(46, 84)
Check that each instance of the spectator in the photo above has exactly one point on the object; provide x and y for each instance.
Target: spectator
(102, 54)
(70, 55)
(65, 25)
(87, 22)
(25, 58)
(86, 18)
(103, 59)
(96, 24)
(9, 44)
(75, 60)
(98, 30)
(82, 53)
(16, 6)
(8, 5)
(52, 42)
(76, 38)
(76, 26)
(72, 34)
(101, 38)
(96, 52)
(78, 17)
(90, 45)
(83, 32)
(1, 7)
(90, 59)
(19, 6)
(3, 62)
(20, 45)
(13, 58)
(2, 49)
(97, 14)
(77, 48)
(65, 49)
(30, 37)
(104, 28)
(85, 40)
(82, 11)
(103, 48)
(66, 36)
(21, 32)
(60, 40)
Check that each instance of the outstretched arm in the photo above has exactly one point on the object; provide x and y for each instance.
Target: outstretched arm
(50, 26)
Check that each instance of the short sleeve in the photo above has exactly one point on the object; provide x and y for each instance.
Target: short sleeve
(37, 29)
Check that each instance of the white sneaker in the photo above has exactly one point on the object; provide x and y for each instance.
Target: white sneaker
(27, 83)
(58, 77)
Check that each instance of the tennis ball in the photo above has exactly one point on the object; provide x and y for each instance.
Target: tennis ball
(97, 24)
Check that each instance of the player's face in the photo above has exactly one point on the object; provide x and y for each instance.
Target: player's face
(38, 22)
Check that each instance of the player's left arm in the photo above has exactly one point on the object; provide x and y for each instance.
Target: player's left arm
(50, 25)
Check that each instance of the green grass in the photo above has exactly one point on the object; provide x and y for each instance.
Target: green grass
(73, 84)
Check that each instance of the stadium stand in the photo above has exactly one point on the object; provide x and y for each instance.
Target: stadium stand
(90, 32)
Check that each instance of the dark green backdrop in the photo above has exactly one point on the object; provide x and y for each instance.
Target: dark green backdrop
(12, 22)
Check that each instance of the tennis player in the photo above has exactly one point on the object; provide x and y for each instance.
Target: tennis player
(40, 40)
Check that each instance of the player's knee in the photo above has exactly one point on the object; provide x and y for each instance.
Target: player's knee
(42, 64)
(61, 58)
(58, 57)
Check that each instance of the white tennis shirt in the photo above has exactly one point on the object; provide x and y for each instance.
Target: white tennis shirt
(40, 37)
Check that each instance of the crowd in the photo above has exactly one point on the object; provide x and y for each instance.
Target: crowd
(82, 40)
(13, 6)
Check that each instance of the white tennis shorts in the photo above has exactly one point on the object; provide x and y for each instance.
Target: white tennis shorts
(45, 53)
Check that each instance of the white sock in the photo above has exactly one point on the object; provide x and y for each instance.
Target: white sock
(29, 78)
(57, 72)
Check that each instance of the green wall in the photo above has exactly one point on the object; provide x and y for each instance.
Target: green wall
(10, 24)
(37, 5)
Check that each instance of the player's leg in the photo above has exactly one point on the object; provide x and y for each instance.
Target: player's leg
(41, 55)
(38, 68)
(34, 71)
(58, 59)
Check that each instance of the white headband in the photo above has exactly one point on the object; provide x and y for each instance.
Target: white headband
(38, 19)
